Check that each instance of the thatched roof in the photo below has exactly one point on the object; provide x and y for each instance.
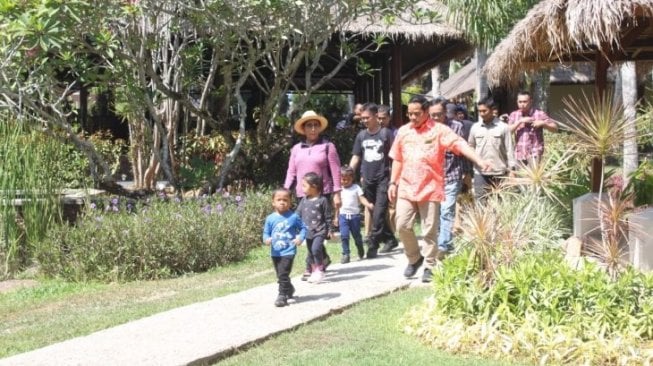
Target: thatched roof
(408, 26)
(557, 31)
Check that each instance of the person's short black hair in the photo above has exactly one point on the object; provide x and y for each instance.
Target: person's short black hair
(441, 102)
(525, 92)
(385, 109)
(314, 180)
(346, 170)
(487, 101)
(419, 99)
(439, 99)
(371, 107)
(280, 190)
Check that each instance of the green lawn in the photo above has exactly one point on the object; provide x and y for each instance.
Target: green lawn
(55, 311)
(366, 334)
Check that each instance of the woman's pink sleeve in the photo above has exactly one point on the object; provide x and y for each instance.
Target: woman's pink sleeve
(334, 166)
(291, 173)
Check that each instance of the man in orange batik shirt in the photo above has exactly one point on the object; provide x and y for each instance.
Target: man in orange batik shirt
(417, 179)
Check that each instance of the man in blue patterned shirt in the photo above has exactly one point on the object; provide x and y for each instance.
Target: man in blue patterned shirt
(453, 172)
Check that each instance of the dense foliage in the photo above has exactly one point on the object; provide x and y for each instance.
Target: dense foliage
(539, 309)
(124, 240)
(175, 66)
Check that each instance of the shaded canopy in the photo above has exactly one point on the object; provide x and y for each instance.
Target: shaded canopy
(556, 31)
(423, 44)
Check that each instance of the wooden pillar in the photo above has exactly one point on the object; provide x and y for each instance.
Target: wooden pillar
(397, 118)
(376, 84)
(601, 73)
(385, 80)
(365, 89)
(600, 81)
(358, 90)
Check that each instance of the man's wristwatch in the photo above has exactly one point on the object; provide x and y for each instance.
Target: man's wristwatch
(392, 184)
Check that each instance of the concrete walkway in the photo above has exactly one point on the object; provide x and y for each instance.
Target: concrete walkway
(212, 330)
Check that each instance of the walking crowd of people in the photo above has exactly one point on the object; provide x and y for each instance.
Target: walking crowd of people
(416, 170)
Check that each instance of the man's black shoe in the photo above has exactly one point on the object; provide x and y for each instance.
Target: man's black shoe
(291, 293)
(326, 262)
(411, 269)
(361, 252)
(371, 253)
(389, 246)
(427, 276)
(281, 301)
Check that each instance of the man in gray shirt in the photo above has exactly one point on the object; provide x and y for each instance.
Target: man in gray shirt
(492, 141)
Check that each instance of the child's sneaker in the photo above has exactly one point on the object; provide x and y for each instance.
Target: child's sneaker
(316, 277)
(281, 301)
(306, 275)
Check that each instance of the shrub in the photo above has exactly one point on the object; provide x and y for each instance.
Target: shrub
(575, 172)
(124, 240)
(641, 183)
(541, 310)
(69, 167)
(510, 222)
(201, 158)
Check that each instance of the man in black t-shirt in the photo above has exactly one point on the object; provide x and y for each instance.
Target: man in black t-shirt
(371, 149)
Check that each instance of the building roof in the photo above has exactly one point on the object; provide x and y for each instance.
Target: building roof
(464, 80)
(409, 26)
(556, 31)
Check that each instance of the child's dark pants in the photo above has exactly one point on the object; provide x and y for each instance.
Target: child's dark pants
(283, 267)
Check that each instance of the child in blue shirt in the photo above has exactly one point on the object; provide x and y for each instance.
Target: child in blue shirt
(283, 232)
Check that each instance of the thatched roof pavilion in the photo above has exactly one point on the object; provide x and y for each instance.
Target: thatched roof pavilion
(413, 48)
(562, 31)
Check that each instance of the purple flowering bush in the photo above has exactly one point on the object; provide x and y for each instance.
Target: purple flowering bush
(118, 240)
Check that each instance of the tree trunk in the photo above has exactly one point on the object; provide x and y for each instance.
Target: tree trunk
(83, 107)
(149, 176)
(629, 96)
(482, 88)
(435, 81)
(541, 89)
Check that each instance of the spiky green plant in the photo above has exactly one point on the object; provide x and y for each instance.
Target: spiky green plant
(598, 123)
(541, 178)
(612, 250)
(480, 229)
(600, 129)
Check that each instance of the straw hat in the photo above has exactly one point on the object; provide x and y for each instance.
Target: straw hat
(310, 116)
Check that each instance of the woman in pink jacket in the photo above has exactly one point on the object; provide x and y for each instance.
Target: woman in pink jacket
(314, 154)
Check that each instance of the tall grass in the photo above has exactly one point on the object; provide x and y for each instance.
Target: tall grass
(30, 204)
